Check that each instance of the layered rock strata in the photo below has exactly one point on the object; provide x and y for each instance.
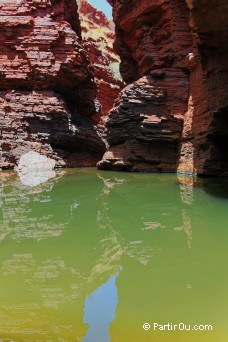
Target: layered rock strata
(145, 126)
(47, 93)
(155, 44)
(186, 129)
(171, 116)
(98, 35)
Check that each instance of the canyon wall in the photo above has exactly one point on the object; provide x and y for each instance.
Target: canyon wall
(155, 44)
(205, 130)
(47, 91)
(173, 113)
(171, 116)
(98, 36)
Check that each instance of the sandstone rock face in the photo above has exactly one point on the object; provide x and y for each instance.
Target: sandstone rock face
(150, 35)
(171, 116)
(145, 126)
(155, 44)
(188, 40)
(205, 131)
(98, 35)
(47, 91)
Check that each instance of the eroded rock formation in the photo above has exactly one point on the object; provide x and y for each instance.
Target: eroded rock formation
(173, 114)
(98, 35)
(145, 126)
(155, 43)
(47, 90)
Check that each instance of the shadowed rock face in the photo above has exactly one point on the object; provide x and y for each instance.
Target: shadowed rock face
(185, 39)
(47, 90)
(205, 133)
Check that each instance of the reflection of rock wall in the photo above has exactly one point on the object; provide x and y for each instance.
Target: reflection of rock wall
(132, 235)
(186, 191)
(44, 283)
(56, 250)
(19, 220)
(46, 252)
(51, 279)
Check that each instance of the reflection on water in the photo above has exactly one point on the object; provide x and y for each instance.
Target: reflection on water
(100, 311)
(63, 242)
(186, 192)
(34, 178)
(30, 212)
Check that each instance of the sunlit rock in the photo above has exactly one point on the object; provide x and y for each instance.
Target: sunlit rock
(35, 178)
(35, 162)
(34, 169)
(47, 91)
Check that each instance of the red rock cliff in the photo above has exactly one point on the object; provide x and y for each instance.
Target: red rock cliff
(47, 91)
(155, 43)
(98, 35)
(173, 114)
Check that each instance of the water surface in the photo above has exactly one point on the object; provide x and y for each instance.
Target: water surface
(91, 256)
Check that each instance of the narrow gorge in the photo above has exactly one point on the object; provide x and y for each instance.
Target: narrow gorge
(61, 93)
(113, 170)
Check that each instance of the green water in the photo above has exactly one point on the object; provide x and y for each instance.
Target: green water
(91, 256)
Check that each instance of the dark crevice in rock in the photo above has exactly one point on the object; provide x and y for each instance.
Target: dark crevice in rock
(218, 139)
